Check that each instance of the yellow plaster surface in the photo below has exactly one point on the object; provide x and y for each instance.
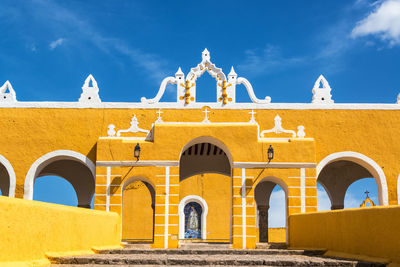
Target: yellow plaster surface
(32, 229)
(367, 232)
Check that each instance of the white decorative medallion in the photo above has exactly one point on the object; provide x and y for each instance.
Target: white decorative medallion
(90, 93)
(7, 93)
(133, 129)
(322, 91)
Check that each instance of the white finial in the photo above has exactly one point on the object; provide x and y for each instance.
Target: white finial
(300, 132)
(179, 72)
(232, 73)
(253, 119)
(90, 94)
(159, 112)
(322, 94)
(111, 130)
(398, 99)
(205, 55)
(7, 93)
(206, 120)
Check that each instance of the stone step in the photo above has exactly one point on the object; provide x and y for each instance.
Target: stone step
(237, 260)
(203, 245)
(212, 251)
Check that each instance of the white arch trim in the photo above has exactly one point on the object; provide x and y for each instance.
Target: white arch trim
(48, 158)
(181, 208)
(11, 175)
(365, 162)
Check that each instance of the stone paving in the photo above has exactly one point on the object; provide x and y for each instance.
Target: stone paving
(206, 256)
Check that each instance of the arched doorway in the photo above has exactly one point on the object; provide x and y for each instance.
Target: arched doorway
(74, 167)
(205, 178)
(338, 171)
(138, 204)
(262, 195)
(7, 178)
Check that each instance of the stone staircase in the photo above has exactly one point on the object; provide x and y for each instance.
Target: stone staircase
(205, 254)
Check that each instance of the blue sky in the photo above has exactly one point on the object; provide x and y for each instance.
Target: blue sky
(49, 47)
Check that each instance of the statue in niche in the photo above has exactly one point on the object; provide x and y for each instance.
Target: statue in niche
(193, 221)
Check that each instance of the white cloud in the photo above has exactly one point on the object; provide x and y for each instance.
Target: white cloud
(53, 45)
(383, 22)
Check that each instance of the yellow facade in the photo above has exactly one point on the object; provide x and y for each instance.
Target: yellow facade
(212, 154)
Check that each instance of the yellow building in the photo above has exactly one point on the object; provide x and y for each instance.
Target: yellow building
(205, 171)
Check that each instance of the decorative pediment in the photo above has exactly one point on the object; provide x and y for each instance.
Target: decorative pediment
(133, 129)
(278, 129)
(90, 91)
(7, 93)
(225, 86)
(322, 91)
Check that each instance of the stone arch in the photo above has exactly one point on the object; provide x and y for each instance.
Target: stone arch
(262, 194)
(352, 166)
(151, 189)
(181, 207)
(75, 167)
(6, 169)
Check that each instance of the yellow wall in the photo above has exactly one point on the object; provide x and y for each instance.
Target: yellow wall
(29, 229)
(277, 235)
(215, 189)
(137, 213)
(372, 232)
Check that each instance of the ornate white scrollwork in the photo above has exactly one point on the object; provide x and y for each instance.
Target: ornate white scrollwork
(278, 129)
(164, 83)
(134, 128)
(322, 95)
(90, 94)
(7, 93)
(250, 91)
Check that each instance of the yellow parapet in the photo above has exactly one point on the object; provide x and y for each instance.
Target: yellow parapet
(30, 230)
(365, 234)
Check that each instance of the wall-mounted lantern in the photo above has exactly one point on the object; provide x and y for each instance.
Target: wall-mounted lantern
(137, 152)
(270, 153)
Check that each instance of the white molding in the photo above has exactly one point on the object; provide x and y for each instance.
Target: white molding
(141, 163)
(181, 208)
(200, 105)
(276, 165)
(365, 162)
(11, 175)
(303, 189)
(244, 206)
(48, 158)
(166, 210)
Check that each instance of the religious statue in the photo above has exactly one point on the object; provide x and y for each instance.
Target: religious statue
(193, 221)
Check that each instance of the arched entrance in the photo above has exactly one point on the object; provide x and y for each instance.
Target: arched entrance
(338, 171)
(138, 204)
(205, 179)
(262, 195)
(7, 178)
(74, 167)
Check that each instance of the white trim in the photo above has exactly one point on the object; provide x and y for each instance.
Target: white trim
(181, 208)
(166, 218)
(365, 162)
(48, 158)
(279, 165)
(244, 206)
(303, 189)
(200, 105)
(156, 163)
(108, 189)
(11, 175)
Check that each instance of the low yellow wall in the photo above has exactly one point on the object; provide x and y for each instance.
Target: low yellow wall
(357, 233)
(31, 229)
(277, 235)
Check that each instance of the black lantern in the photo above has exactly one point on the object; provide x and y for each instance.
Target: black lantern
(137, 151)
(270, 153)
